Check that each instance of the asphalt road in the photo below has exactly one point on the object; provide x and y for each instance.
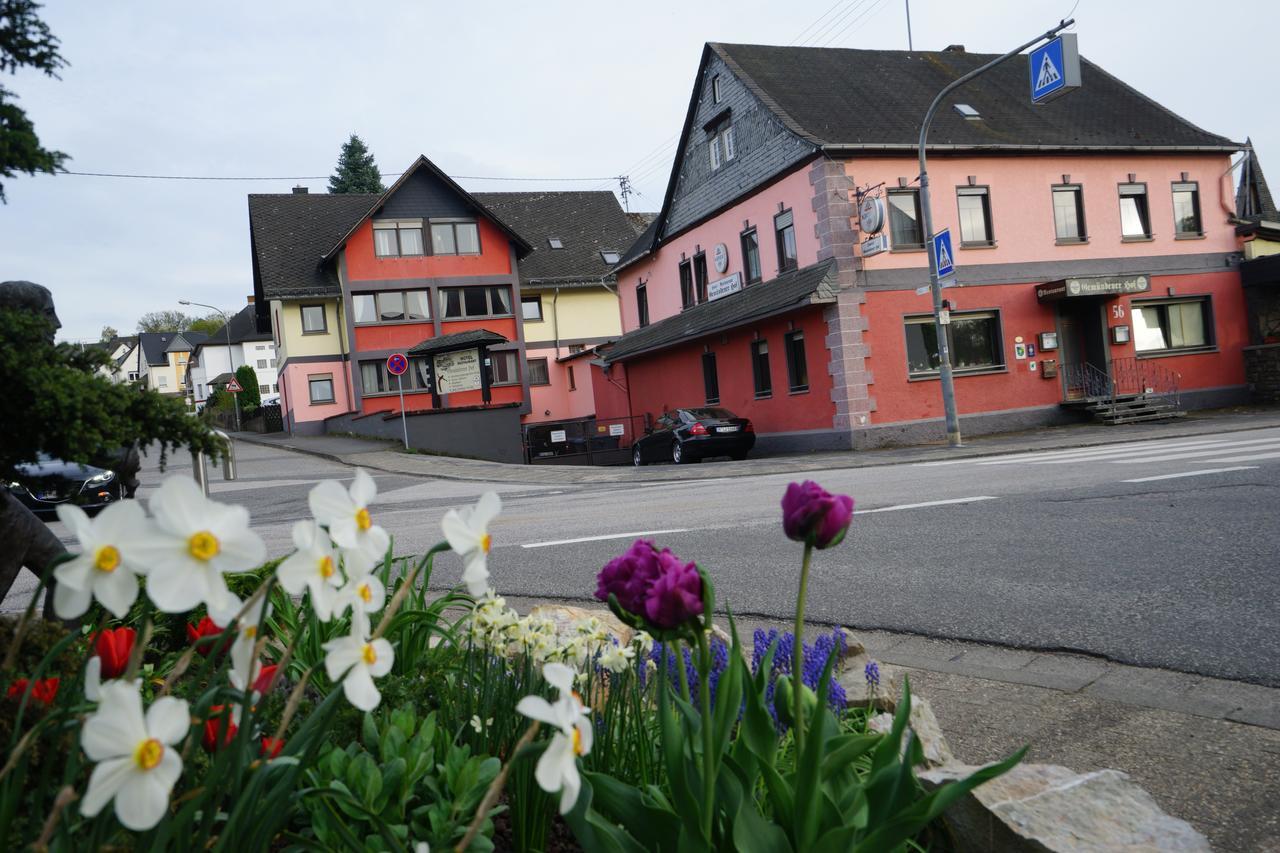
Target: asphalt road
(1160, 553)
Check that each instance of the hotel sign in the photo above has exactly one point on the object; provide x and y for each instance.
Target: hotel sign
(724, 286)
(1108, 285)
(457, 371)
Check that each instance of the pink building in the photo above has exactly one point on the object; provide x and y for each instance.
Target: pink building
(1095, 246)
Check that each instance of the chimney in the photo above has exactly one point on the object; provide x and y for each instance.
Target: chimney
(951, 48)
(251, 299)
(301, 190)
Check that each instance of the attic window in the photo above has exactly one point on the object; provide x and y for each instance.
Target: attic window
(610, 258)
(555, 242)
(968, 112)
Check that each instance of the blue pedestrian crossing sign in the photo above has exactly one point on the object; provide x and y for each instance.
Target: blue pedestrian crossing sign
(1055, 68)
(943, 258)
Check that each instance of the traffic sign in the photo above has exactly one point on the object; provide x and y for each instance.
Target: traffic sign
(1055, 68)
(233, 386)
(942, 254)
(397, 364)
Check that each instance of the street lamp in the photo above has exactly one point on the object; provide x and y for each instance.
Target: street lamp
(231, 359)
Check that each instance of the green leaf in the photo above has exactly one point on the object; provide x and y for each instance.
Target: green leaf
(846, 749)
(753, 834)
(369, 732)
(594, 833)
(647, 821)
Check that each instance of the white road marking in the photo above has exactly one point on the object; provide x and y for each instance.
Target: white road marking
(1251, 457)
(602, 538)
(926, 503)
(1269, 444)
(1049, 454)
(1192, 473)
(1084, 455)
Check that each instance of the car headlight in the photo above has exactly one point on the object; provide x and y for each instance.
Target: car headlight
(98, 479)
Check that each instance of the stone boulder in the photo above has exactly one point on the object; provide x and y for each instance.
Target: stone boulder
(568, 618)
(937, 752)
(851, 673)
(1045, 807)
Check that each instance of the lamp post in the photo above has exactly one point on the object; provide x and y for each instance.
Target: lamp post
(926, 216)
(231, 359)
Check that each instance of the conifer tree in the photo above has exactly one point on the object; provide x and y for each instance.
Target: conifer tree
(356, 172)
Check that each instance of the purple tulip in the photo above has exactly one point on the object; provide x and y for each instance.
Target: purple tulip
(676, 596)
(629, 576)
(812, 514)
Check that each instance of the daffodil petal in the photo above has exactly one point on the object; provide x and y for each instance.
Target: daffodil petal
(117, 725)
(487, 509)
(558, 676)
(172, 586)
(458, 533)
(363, 489)
(69, 602)
(116, 591)
(537, 708)
(329, 501)
(168, 719)
(142, 800)
(107, 778)
(360, 690)
(77, 521)
(385, 657)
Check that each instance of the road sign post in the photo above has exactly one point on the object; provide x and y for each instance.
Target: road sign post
(397, 364)
(938, 247)
(1055, 69)
(234, 387)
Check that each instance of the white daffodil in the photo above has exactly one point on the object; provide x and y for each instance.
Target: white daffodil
(616, 658)
(105, 568)
(643, 642)
(137, 765)
(467, 532)
(346, 514)
(557, 769)
(364, 594)
(194, 542)
(314, 567)
(362, 660)
(245, 665)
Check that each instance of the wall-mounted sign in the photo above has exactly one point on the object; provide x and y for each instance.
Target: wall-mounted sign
(617, 429)
(457, 371)
(875, 245)
(1048, 340)
(724, 286)
(1119, 334)
(1020, 351)
(721, 256)
(1104, 285)
(871, 214)
(557, 436)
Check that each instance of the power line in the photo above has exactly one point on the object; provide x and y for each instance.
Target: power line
(871, 10)
(305, 177)
(815, 22)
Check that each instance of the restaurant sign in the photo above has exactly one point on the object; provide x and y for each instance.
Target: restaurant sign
(724, 286)
(1107, 285)
(457, 371)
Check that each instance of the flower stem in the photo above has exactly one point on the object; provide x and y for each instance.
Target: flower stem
(495, 788)
(797, 656)
(708, 759)
(678, 647)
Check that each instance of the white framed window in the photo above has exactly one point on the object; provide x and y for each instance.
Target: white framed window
(716, 93)
(397, 239)
(451, 237)
(320, 388)
(262, 364)
(723, 147)
(973, 337)
(1171, 325)
(503, 365)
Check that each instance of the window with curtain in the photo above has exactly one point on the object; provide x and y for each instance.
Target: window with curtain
(785, 230)
(751, 256)
(973, 338)
(975, 216)
(455, 238)
(797, 366)
(537, 370)
(503, 365)
(1186, 209)
(1068, 214)
(390, 306)
(1135, 215)
(760, 369)
(904, 219)
(1172, 325)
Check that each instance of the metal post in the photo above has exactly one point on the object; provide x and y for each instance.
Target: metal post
(926, 217)
(404, 423)
(200, 470)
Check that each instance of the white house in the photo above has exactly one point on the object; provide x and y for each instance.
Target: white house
(126, 360)
(221, 354)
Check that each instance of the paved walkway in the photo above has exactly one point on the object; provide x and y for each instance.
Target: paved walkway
(391, 457)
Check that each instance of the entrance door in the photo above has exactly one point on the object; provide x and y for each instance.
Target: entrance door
(1082, 341)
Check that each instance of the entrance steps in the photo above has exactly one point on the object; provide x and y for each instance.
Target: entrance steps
(1127, 408)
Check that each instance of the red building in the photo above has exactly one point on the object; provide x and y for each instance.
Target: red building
(1094, 238)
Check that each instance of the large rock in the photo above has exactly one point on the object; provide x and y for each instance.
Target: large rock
(937, 752)
(1043, 807)
(852, 675)
(567, 619)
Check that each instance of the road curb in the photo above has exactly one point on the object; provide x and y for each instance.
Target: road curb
(781, 465)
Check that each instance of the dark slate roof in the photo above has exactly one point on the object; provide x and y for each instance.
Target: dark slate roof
(154, 346)
(290, 234)
(808, 286)
(186, 341)
(641, 247)
(458, 340)
(640, 221)
(1253, 197)
(875, 100)
(587, 223)
(244, 327)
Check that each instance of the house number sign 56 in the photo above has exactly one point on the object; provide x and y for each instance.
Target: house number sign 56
(1117, 311)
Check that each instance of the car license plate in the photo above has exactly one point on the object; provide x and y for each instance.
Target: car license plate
(48, 496)
(727, 429)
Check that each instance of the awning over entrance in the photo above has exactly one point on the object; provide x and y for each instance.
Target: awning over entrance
(458, 340)
(1103, 285)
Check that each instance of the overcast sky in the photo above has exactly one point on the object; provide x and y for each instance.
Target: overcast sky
(532, 90)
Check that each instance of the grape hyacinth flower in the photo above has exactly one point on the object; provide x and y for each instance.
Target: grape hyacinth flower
(812, 514)
(872, 673)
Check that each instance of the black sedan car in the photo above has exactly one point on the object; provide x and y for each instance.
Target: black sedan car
(47, 482)
(691, 435)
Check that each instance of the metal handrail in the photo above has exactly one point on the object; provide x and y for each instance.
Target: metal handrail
(1092, 382)
(1144, 377)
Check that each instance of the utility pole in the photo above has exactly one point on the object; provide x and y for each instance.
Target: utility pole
(909, 45)
(231, 359)
(926, 216)
(624, 190)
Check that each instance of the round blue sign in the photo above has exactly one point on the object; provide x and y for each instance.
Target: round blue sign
(397, 364)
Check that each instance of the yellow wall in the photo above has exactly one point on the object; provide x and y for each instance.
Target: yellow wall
(580, 313)
(293, 343)
(1258, 248)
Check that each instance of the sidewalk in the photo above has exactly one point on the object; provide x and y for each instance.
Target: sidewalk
(392, 458)
(1208, 750)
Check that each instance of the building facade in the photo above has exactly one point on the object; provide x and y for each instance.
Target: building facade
(427, 270)
(166, 355)
(1093, 237)
(215, 359)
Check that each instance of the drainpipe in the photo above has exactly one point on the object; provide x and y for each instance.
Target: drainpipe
(1224, 188)
(555, 320)
(346, 363)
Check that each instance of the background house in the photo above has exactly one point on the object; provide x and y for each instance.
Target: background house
(215, 357)
(126, 359)
(760, 288)
(166, 355)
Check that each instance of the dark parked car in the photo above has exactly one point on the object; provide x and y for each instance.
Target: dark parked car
(691, 435)
(47, 482)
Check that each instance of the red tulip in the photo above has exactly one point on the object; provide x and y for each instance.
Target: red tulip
(113, 646)
(218, 729)
(264, 678)
(43, 692)
(198, 632)
(271, 747)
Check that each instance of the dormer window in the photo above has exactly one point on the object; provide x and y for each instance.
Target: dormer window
(397, 239)
(968, 112)
(722, 146)
(555, 242)
(715, 89)
(610, 258)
